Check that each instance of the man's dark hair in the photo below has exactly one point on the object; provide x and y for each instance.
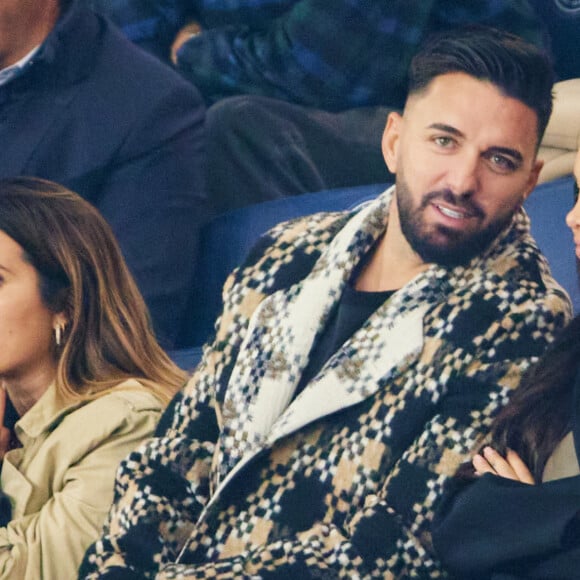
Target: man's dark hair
(519, 69)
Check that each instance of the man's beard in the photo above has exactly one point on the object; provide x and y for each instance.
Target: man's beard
(442, 245)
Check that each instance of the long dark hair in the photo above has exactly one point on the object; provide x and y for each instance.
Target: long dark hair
(539, 413)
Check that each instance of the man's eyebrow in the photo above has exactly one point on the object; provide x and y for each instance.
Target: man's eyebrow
(446, 128)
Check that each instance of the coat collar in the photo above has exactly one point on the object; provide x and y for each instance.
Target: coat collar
(256, 409)
(50, 410)
(46, 412)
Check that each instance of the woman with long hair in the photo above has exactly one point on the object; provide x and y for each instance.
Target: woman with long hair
(83, 380)
(514, 512)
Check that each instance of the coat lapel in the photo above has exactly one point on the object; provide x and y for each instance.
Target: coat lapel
(383, 346)
(349, 377)
(280, 336)
(390, 339)
(257, 408)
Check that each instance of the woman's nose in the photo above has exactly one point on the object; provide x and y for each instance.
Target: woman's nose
(573, 216)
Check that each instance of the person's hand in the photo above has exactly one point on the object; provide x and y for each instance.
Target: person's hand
(511, 466)
(188, 31)
(4, 431)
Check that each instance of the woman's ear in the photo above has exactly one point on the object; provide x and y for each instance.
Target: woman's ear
(391, 139)
(60, 320)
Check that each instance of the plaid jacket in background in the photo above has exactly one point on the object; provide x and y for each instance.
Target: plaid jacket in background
(331, 55)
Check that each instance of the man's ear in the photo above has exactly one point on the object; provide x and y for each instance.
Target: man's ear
(391, 139)
(533, 179)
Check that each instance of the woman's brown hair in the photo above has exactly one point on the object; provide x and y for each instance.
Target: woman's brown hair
(108, 337)
(539, 413)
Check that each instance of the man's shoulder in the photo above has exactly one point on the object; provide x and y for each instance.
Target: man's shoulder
(107, 59)
(518, 277)
(304, 234)
(288, 251)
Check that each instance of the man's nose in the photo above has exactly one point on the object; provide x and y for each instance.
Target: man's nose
(463, 174)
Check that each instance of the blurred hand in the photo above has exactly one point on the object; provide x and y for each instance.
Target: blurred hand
(511, 466)
(4, 431)
(188, 31)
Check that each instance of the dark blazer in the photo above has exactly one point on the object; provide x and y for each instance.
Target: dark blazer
(100, 116)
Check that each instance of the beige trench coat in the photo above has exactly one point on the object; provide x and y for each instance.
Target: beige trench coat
(61, 481)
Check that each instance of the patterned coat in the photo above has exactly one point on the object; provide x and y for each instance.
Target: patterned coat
(244, 481)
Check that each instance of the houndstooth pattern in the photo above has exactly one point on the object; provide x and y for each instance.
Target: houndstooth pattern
(341, 481)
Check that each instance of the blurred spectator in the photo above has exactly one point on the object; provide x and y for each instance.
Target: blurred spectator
(345, 61)
(322, 78)
(155, 24)
(309, 52)
(83, 107)
(314, 120)
(562, 19)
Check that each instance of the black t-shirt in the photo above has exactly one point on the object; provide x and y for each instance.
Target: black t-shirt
(351, 312)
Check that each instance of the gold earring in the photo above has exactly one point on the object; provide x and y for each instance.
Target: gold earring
(58, 334)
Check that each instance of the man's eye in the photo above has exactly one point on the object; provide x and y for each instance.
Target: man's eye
(575, 193)
(503, 163)
(444, 141)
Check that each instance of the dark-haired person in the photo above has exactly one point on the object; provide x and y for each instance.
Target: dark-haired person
(80, 105)
(360, 354)
(502, 525)
(82, 378)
